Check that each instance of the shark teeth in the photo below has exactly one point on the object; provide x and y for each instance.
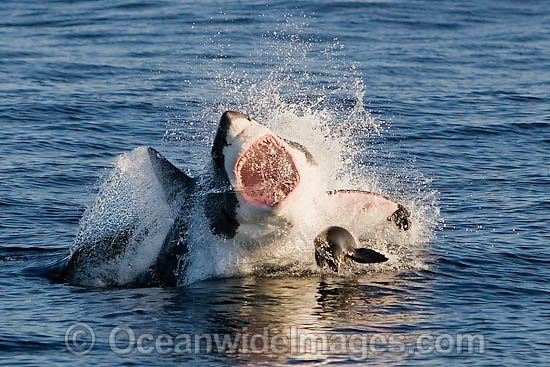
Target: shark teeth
(265, 173)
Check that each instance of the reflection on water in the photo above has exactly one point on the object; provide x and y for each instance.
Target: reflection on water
(306, 320)
(250, 320)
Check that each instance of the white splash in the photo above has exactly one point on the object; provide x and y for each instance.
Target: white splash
(130, 202)
(326, 114)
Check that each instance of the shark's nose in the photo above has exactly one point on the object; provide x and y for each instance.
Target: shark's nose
(235, 122)
(231, 125)
(234, 115)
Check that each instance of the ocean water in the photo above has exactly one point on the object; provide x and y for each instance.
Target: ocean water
(444, 105)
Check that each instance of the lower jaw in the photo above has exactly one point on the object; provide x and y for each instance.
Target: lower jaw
(267, 204)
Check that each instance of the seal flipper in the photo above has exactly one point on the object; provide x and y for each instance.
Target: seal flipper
(336, 244)
(366, 256)
(324, 257)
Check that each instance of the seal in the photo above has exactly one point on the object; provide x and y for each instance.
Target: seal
(336, 245)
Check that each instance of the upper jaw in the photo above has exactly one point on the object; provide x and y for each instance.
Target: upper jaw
(257, 164)
(231, 125)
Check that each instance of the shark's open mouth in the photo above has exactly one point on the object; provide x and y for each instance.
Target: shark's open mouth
(265, 173)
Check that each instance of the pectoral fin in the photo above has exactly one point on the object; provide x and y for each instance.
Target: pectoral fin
(367, 209)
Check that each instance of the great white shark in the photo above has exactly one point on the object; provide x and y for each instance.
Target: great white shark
(260, 183)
